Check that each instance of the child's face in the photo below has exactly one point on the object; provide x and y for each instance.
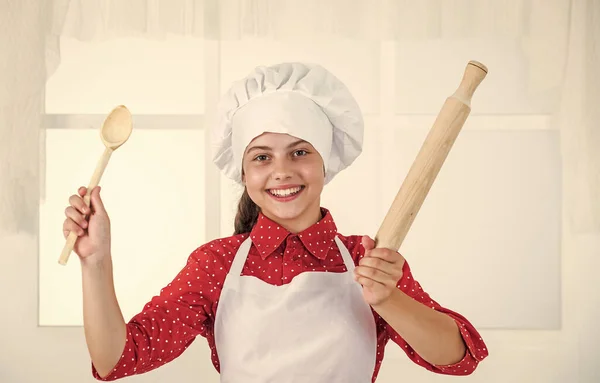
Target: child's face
(284, 176)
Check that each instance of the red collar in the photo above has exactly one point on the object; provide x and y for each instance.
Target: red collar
(267, 235)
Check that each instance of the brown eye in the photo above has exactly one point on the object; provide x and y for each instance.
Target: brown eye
(300, 152)
(260, 158)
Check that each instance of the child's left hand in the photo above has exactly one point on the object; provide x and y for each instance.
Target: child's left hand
(378, 272)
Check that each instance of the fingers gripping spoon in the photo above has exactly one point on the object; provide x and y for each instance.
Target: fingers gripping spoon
(115, 131)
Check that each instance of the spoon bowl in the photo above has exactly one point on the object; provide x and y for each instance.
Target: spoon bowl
(117, 128)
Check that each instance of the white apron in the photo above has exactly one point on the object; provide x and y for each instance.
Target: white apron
(316, 329)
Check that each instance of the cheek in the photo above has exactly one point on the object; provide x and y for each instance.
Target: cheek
(314, 174)
(255, 180)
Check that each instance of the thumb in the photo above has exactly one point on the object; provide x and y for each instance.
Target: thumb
(96, 201)
(367, 243)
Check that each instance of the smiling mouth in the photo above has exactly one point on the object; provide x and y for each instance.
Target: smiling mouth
(281, 193)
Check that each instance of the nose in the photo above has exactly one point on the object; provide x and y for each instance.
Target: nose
(281, 170)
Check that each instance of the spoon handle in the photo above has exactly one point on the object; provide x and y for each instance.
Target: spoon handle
(72, 238)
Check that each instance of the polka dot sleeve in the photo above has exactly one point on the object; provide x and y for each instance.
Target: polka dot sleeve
(169, 322)
(476, 348)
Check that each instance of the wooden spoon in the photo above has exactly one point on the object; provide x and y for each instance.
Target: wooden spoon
(115, 131)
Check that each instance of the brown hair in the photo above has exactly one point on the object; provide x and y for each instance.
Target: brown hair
(247, 214)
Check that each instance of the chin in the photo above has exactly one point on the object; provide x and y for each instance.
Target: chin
(285, 213)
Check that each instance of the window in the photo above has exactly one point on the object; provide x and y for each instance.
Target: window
(153, 190)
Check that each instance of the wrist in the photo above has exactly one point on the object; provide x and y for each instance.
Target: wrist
(396, 299)
(100, 260)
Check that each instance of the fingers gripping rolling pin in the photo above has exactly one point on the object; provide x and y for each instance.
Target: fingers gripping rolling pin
(115, 131)
(429, 160)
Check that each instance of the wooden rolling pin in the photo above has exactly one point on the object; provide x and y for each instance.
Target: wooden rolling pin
(429, 160)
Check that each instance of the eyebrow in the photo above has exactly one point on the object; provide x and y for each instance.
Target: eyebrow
(269, 148)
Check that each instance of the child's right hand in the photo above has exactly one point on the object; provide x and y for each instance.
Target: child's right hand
(91, 225)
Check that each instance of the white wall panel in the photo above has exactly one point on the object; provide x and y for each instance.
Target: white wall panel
(487, 239)
(153, 191)
(148, 76)
(429, 71)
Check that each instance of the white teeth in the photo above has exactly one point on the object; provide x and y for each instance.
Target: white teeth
(285, 192)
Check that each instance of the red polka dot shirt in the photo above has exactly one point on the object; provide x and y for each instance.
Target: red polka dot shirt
(186, 307)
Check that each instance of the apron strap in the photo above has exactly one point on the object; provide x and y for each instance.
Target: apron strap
(240, 259)
(345, 254)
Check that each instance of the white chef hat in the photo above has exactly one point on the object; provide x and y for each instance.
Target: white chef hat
(303, 100)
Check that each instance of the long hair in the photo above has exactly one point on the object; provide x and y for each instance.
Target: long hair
(247, 214)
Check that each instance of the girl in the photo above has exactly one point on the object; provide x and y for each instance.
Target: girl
(286, 297)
